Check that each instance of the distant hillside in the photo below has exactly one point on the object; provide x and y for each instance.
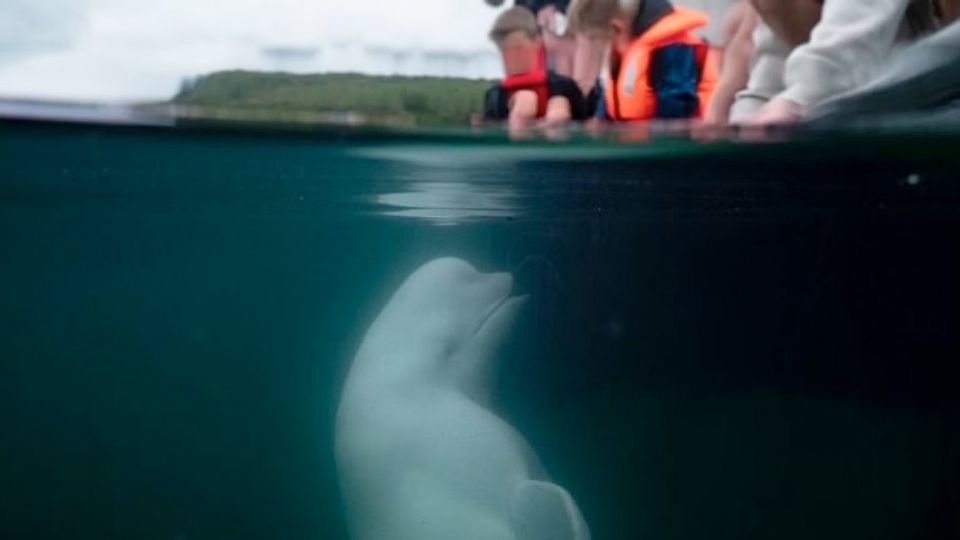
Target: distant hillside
(429, 101)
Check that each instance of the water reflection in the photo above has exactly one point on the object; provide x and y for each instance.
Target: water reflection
(452, 202)
(446, 188)
(450, 185)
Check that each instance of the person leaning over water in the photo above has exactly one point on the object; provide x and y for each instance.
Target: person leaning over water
(529, 91)
(808, 51)
(573, 54)
(657, 67)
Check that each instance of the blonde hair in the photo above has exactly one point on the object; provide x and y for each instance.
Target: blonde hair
(515, 19)
(594, 16)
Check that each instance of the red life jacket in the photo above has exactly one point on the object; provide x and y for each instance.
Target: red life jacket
(630, 97)
(535, 80)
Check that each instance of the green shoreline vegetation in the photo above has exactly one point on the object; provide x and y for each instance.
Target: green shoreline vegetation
(421, 101)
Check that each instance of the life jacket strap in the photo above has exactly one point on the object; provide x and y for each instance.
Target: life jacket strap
(701, 51)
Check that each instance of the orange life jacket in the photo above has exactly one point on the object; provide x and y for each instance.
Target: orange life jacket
(631, 97)
(531, 80)
(535, 80)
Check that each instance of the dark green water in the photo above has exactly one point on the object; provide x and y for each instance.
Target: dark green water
(722, 342)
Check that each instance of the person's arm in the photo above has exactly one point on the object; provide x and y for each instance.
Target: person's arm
(735, 72)
(523, 108)
(547, 18)
(588, 59)
(847, 48)
(558, 110)
(674, 75)
(766, 74)
(573, 105)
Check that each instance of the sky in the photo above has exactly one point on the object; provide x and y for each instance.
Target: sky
(135, 50)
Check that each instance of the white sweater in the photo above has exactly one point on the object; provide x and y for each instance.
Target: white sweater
(847, 48)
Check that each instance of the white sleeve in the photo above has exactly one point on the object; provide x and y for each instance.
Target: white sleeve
(766, 74)
(847, 48)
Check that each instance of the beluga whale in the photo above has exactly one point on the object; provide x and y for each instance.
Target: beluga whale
(420, 455)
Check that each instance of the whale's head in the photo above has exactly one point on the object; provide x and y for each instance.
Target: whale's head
(444, 322)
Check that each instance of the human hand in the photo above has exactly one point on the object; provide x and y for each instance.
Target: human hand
(547, 18)
(476, 120)
(714, 117)
(710, 132)
(777, 111)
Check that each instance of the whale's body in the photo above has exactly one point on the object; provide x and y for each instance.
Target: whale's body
(420, 456)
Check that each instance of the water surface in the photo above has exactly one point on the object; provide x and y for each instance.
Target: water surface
(723, 341)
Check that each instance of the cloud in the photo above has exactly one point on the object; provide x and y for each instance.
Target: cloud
(29, 27)
(141, 49)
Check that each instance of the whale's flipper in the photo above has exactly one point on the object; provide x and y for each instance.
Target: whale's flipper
(545, 511)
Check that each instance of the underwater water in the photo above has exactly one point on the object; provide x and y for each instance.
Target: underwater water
(721, 341)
